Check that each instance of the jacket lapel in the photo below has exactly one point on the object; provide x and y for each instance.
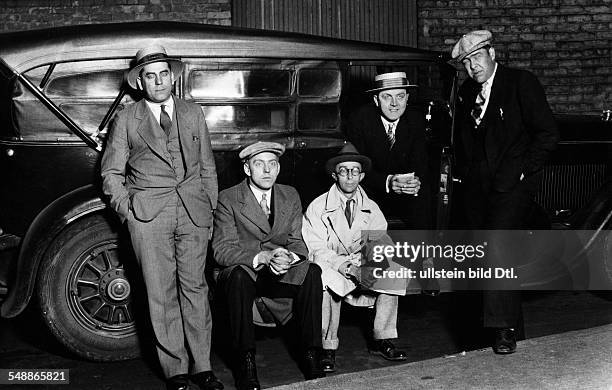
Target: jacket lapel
(186, 128)
(149, 130)
(334, 215)
(280, 206)
(250, 208)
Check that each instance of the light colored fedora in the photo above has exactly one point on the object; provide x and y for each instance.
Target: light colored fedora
(149, 55)
(390, 81)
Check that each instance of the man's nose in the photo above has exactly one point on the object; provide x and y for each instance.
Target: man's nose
(158, 80)
(266, 168)
(393, 101)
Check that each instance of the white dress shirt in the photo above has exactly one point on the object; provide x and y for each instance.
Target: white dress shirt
(156, 108)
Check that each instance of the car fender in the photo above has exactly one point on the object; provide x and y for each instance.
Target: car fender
(41, 233)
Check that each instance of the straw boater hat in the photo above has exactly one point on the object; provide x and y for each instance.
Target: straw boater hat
(260, 147)
(471, 42)
(348, 153)
(390, 81)
(149, 55)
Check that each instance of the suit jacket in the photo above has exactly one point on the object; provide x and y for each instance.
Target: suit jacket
(242, 230)
(137, 173)
(409, 154)
(330, 240)
(520, 128)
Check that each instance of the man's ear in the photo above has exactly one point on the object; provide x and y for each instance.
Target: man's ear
(361, 176)
(492, 53)
(375, 100)
(247, 169)
(334, 176)
(139, 83)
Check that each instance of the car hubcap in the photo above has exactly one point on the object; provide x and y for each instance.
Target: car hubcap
(99, 291)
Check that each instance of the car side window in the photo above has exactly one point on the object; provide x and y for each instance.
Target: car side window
(84, 90)
(319, 94)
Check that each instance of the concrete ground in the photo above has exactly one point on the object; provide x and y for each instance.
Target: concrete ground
(572, 360)
(568, 346)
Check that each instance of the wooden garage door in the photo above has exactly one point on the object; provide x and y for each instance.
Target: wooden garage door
(382, 21)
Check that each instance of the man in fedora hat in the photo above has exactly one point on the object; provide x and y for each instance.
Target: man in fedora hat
(506, 133)
(159, 172)
(258, 240)
(340, 227)
(394, 139)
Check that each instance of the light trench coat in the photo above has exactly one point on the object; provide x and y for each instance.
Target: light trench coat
(331, 242)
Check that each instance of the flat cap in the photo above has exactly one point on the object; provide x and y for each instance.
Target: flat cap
(260, 147)
(471, 42)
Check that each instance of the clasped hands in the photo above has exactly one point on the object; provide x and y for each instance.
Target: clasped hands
(405, 183)
(279, 260)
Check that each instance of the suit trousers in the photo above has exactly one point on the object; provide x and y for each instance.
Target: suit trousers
(385, 318)
(241, 291)
(493, 210)
(171, 251)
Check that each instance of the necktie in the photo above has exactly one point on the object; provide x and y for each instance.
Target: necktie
(264, 205)
(390, 134)
(164, 120)
(347, 212)
(478, 105)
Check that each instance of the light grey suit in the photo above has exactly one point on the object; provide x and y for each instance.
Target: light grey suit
(166, 188)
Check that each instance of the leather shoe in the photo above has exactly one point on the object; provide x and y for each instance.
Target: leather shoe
(247, 373)
(178, 382)
(312, 364)
(505, 341)
(328, 360)
(206, 380)
(387, 350)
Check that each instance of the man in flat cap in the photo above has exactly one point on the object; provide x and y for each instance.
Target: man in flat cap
(340, 228)
(258, 240)
(506, 134)
(159, 172)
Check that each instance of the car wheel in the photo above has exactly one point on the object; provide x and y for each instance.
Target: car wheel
(85, 294)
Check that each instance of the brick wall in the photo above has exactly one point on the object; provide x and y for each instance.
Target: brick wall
(30, 14)
(566, 43)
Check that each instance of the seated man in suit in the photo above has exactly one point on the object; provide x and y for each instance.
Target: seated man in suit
(258, 239)
(334, 231)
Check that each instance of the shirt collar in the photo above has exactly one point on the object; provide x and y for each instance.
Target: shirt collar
(386, 123)
(259, 193)
(156, 107)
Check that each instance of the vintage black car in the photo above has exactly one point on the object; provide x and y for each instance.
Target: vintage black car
(60, 87)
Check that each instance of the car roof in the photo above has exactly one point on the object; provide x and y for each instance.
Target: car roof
(27, 49)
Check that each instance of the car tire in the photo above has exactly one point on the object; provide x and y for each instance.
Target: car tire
(84, 291)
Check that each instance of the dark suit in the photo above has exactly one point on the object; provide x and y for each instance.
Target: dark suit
(241, 231)
(165, 186)
(408, 154)
(516, 135)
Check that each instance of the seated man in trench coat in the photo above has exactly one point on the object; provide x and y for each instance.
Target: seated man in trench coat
(340, 229)
(257, 239)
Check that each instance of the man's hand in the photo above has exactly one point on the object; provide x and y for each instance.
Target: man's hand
(406, 183)
(281, 261)
(264, 257)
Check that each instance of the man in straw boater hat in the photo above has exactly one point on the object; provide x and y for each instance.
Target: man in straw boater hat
(159, 172)
(258, 241)
(392, 135)
(394, 139)
(341, 228)
(506, 133)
